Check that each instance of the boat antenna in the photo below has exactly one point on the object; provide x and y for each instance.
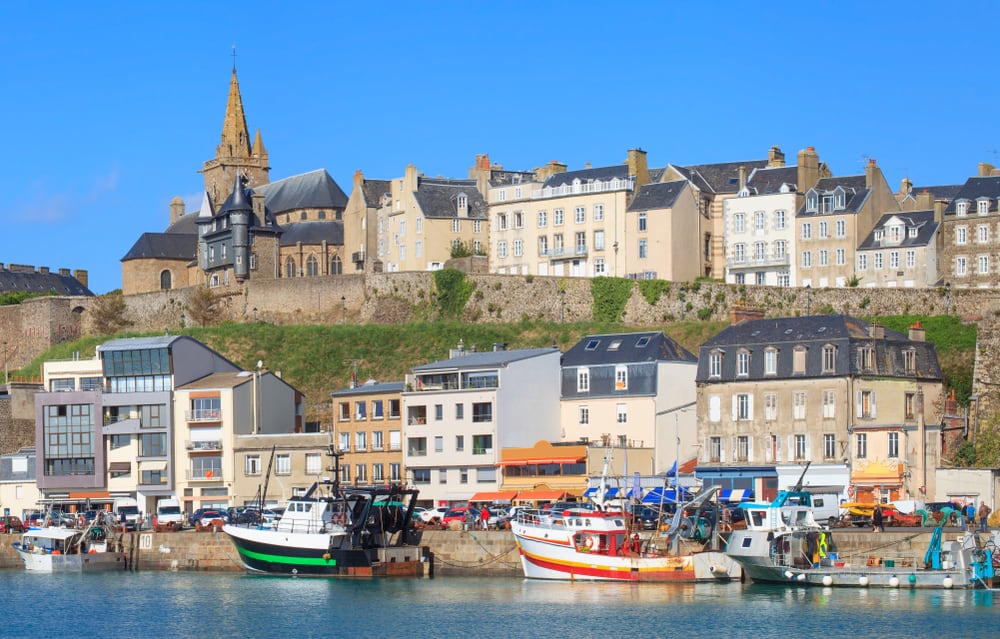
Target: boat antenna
(798, 484)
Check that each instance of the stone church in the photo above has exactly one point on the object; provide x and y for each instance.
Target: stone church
(247, 226)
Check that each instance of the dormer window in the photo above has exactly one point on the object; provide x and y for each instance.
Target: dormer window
(962, 207)
(839, 198)
(463, 204)
(827, 203)
(715, 364)
(879, 235)
(982, 206)
(895, 233)
(812, 201)
(912, 232)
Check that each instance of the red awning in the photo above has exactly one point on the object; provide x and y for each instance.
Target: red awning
(540, 460)
(507, 496)
(540, 495)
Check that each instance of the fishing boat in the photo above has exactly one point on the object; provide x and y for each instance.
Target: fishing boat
(94, 548)
(336, 531)
(583, 544)
(783, 543)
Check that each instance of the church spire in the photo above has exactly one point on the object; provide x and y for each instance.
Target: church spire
(235, 135)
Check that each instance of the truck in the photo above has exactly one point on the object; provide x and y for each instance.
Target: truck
(126, 511)
(168, 515)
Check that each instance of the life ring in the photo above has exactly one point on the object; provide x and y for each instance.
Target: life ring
(589, 543)
(850, 491)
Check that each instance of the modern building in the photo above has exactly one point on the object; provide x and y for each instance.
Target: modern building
(862, 404)
(971, 234)
(631, 390)
(460, 412)
(368, 431)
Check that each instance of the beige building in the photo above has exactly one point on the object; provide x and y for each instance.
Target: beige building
(663, 230)
(564, 223)
(902, 251)
(367, 430)
(839, 212)
(296, 461)
(971, 232)
(361, 222)
(860, 403)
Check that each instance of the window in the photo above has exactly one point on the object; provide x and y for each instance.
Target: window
(961, 266)
(459, 411)
(744, 406)
(377, 440)
(599, 266)
(581, 243)
(642, 249)
(866, 358)
(486, 475)
(824, 257)
(621, 377)
(463, 475)
(758, 222)
(862, 262)
(780, 249)
(439, 444)
(841, 257)
(360, 440)
(910, 361)
(982, 207)
(543, 219)
(742, 448)
(984, 264)
(829, 358)
(314, 464)
(584, 415)
(909, 406)
(580, 215)
(829, 404)
(421, 475)
(598, 212)
(770, 407)
(714, 408)
(519, 219)
(861, 451)
(482, 444)
(983, 233)
(739, 223)
(800, 449)
(477, 226)
(824, 231)
(780, 219)
(394, 472)
(416, 446)
(829, 446)
(377, 412)
(394, 409)
(771, 361)
(345, 473)
(715, 364)
(282, 464)
(893, 445)
(807, 258)
(866, 404)
(806, 231)
(360, 411)
(582, 380)
(557, 217)
(739, 252)
(894, 259)
(459, 443)
(715, 449)
(759, 251)
(799, 405)
(518, 248)
(543, 245)
(251, 465)
(960, 235)
(742, 363)
(642, 220)
(911, 258)
(841, 228)
(502, 249)
(345, 441)
(378, 473)
(622, 411)
(799, 359)
(482, 412)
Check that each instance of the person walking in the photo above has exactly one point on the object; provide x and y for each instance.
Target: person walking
(877, 518)
(484, 516)
(984, 515)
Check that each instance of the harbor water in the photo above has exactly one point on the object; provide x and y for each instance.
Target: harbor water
(172, 604)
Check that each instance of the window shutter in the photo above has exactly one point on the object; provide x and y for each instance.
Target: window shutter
(808, 449)
(750, 406)
(734, 408)
(750, 449)
(722, 450)
(859, 406)
(873, 404)
(791, 447)
(715, 408)
(733, 449)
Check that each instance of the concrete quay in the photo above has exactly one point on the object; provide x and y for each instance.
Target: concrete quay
(491, 553)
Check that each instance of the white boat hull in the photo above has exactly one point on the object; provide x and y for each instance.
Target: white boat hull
(90, 562)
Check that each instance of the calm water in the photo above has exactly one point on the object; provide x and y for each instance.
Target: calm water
(153, 604)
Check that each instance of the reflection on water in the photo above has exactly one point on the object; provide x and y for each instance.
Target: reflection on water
(183, 604)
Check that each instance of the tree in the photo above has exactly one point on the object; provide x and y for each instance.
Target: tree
(203, 307)
(110, 313)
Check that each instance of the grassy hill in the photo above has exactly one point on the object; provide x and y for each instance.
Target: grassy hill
(319, 359)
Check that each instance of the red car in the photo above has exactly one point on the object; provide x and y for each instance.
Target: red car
(11, 524)
(458, 514)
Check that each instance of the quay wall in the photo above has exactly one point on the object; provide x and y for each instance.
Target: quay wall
(455, 553)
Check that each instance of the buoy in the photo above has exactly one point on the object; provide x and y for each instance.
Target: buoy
(788, 574)
(827, 580)
(894, 581)
(802, 576)
(947, 583)
(912, 578)
(863, 580)
(711, 569)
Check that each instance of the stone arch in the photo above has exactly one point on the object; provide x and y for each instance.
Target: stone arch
(312, 266)
(336, 266)
(289, 266)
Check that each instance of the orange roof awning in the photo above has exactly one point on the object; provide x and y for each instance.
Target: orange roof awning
(502, 496)
(540, 460)
(540, 495)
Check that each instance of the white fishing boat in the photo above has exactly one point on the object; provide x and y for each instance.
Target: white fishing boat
(94, 548)
(583, 544)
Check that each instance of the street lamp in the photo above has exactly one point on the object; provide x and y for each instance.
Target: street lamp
(343, 309)
(562, 305)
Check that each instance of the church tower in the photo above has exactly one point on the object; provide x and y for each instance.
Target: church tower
(235, 152)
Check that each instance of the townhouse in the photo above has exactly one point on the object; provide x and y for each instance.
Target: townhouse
(901, 251)
(862, 404)
(661, 225)
(368, 430)
(971, 222)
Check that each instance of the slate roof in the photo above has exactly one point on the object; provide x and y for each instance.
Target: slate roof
(142, 343)
(7, 473)
(313, 233)
(647, 346)
(659, 195)
(36, 282)
(603, 174)
(483, 359)
(975, 188)
(848, 334)
(164, 246)
(922, 220)
(723, 177)
(857, 193)
(313, 190)
(438, 198)
(511, 178)
(370, 388)
(767, 181)
(185, 224)
(942, 192)
(373, 190)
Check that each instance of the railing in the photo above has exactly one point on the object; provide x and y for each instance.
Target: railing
(597, 186)
(203, 415)
(203, 475)
(758, 262)
(215, 444)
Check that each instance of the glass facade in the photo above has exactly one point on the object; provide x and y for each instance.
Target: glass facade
(131, 371)
(68, 436)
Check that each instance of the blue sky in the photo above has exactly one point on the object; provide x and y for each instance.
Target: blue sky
(111, 108)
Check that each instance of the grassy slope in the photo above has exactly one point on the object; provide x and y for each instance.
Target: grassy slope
(319, 359)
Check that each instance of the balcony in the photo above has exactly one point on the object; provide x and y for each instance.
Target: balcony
(203, 415)
(203, 445)
(758, 262)
(203, 475)
(597, 186)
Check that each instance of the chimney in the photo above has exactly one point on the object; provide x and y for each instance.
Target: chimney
(410, 180)
(65, 272)
(925, 200)
(917, 332)
(43, 270)
(905, 187)
(743, 177)
(739, 314)
(808, 169)
(871, 170)
(637, 166)
(480, 171)
(986, 169)
(775, 158)
(940, 205)
(876, 331)
(176, 209)
(81, 276)
(359, 179)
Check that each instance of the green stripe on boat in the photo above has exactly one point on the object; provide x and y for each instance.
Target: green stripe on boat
(292, 561)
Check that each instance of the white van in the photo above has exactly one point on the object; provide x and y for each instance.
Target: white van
(168, 515)
(126, 510)
(825, 503)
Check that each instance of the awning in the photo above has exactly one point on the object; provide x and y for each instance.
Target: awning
(665, 495)
(736, 495)
(120, 467)
(540, 460)
(540, 495)
(503, 497)
(610, 492)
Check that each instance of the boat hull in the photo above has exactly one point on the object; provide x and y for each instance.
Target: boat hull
(866, 577)
(557, 559)
(273, 552)
(89, 562)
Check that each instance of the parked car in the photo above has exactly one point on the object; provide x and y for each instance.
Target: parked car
(438, 512)
(211, 520)
(11, 524)
(459, 515)
(247, 516)
(417, 511)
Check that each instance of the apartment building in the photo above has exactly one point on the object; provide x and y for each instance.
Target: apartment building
(460, 412)
(901, 251)
(631, 390)
(971, 232)
(663, 227)
(861, 403)
(368, 431)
